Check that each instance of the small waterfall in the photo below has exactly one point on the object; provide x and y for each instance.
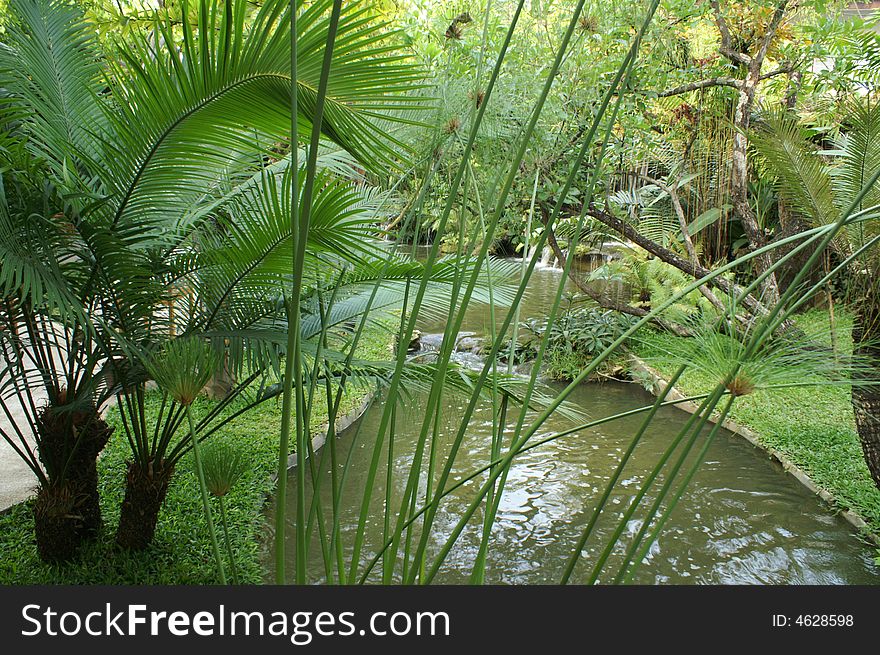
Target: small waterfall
(547, 258)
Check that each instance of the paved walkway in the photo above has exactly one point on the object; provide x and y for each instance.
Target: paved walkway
(17, 481)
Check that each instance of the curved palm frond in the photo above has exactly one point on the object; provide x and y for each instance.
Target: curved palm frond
(358, 293)
(246, 257)
(802, 176)
(186, 110)
(254, 330)
(859, 149)
(50, 69)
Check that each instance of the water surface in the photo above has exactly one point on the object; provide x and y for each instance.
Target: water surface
(742, 520)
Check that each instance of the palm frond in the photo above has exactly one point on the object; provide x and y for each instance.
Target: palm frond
(802, 175)
(50, 67)
(187, 109)
(859, 160)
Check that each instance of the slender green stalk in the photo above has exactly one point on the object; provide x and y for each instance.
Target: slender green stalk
(702, 418)
(693, 426)
(229, 552)
(338, 481)
(499, 422)
(287, 396)
(695, 465)
(283, 454)
(316, 511)
(492, 223)
(206, 503)
(623, 71)
(493, 498)
(299, 242)
(807, 295)
(388, 564)
(515, 452)
(420, 293)
(523, 270)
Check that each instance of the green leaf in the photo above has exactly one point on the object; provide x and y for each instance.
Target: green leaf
(707, 218)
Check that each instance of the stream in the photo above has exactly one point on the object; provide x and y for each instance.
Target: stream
(742, 519)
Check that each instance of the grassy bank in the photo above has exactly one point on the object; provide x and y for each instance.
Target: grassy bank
(813, 426)
(181, 552)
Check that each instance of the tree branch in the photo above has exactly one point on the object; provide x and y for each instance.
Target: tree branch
(694, 270)
(604, 301)
(726, 48)
(700, 84)
(771, 31)
(782, 70)
(721, 81)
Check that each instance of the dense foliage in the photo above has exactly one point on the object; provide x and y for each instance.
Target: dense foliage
(573, 340)
(203, 197)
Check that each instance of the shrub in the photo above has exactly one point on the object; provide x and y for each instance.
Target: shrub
(575, 338)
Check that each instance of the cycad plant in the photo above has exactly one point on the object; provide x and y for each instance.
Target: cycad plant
(115, 172)
(56, 350)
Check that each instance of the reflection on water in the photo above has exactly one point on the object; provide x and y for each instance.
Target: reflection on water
(741, 520)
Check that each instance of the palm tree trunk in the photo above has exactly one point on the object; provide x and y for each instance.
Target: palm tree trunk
(866, 399)
(56, 523)
(83, 474)
(747, 87)
(68, 509)
(145, 491)
(739, 185)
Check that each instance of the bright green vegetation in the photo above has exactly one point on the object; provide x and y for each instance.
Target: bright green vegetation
(813, 425)
(153, 225)
(181, 551)
(574, 340)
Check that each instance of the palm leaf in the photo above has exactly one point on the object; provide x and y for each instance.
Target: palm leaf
(859, 157)
(802, 176)
(50, 66)
(183, 115)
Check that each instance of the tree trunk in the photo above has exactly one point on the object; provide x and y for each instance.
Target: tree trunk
(145, 492)
(84, 473)
(866, 399)
(672, 192)
(739, 184)
(795, 78)
(739, 179)
(604, 300)
(57, 523)
(69, 445)
(696, 271)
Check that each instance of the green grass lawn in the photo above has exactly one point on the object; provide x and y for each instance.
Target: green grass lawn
(813, 426)
(181, 551)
